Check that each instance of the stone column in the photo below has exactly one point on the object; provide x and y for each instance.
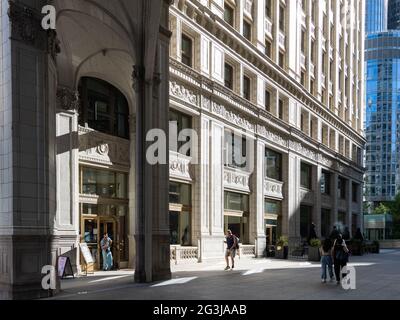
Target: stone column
(335, 199)
(349, 214)
(67, 162)
(201, 195)
(316, 187)
(259, 10)
(257, 228)
(151, 85)
(27, 150)
(291, 204)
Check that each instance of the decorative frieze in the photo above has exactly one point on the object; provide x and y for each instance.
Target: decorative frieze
(236, 179)
(103, 149)
(232, 117)
(299, 148)
(271, 136)
(273, 189)
(181, 92)
(179, 166)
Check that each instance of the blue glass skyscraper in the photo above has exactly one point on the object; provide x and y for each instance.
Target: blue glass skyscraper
(382, 119)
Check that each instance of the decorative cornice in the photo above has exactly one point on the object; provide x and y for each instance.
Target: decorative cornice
(68, 99)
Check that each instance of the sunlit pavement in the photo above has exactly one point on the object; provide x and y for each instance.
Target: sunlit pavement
(377, 277)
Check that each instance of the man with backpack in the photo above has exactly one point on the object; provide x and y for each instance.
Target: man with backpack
(232, 244)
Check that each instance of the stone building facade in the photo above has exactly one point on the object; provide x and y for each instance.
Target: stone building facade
(280, 83)
(76, 104)
(272, 88)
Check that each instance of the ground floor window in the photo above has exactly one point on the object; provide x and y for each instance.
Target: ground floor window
(180, 214)
(354, 221)
(325, 223)
(236, 215)
(305, 221)
(272, 220)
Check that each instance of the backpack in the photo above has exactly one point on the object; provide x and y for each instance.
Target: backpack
(237, 242)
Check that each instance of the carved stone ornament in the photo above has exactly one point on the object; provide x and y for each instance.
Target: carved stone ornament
(179, 91)
(53, 43)
(67, 99)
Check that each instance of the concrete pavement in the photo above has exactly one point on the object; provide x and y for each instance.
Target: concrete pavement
(377, 277)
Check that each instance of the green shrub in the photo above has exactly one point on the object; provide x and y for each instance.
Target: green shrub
(282, 241)
(315, 243)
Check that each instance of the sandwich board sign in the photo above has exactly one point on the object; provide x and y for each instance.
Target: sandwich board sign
(64, 267)
(87, 255)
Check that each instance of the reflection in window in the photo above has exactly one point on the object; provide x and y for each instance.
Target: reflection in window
(104, 107)
(235, 150)
(273, 162)
(305, 175)
(104, 183)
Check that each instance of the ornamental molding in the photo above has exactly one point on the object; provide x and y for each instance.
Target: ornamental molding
(273, 189)
(272, 136)
(235, 118)
(236, 179)
(299, 148)
(179, 166)
(96, 147)
(68, 99)
(181, 92)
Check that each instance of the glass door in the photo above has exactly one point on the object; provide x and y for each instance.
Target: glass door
(90, 235)
(109, 226)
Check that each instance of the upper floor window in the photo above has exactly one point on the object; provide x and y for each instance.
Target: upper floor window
(273, 163)
(354, 191)
(281, 58)
(235, 150)
(187, 50)
(228, 76)
(182, 122)
(268, 48)
(229, 14)
(280, 109)
(342, 188)
(247, 30)
(246, 87)
(267, 100)
(268, 8)
(325, 183)
(282, 18)
(305, 175)
(104, 107)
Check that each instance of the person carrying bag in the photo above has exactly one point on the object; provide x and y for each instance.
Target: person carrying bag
(340, 255)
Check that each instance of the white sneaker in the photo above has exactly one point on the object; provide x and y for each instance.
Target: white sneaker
(323, 281)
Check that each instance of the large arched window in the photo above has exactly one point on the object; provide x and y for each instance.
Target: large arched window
(104, 107)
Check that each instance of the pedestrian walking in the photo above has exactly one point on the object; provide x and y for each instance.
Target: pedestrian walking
(231, 247)
(340, 254)
(105, 244)
(326, 260)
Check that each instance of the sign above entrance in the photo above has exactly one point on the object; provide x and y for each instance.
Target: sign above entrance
(86, 253)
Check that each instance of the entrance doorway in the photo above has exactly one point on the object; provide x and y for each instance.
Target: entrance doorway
(109, 226)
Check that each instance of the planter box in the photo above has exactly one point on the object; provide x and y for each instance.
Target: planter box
(282, 254)
(313, 254)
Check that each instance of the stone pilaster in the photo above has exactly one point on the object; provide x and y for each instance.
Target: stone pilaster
(257, 228)
(316, 186)
(27, 149)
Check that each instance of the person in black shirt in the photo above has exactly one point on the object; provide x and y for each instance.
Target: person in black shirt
(231, 246)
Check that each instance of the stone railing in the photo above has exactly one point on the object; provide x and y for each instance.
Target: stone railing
(306, 196)
(184, 254)
(236, 179)
(179, 166)
(247, 250)
(273, 188)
